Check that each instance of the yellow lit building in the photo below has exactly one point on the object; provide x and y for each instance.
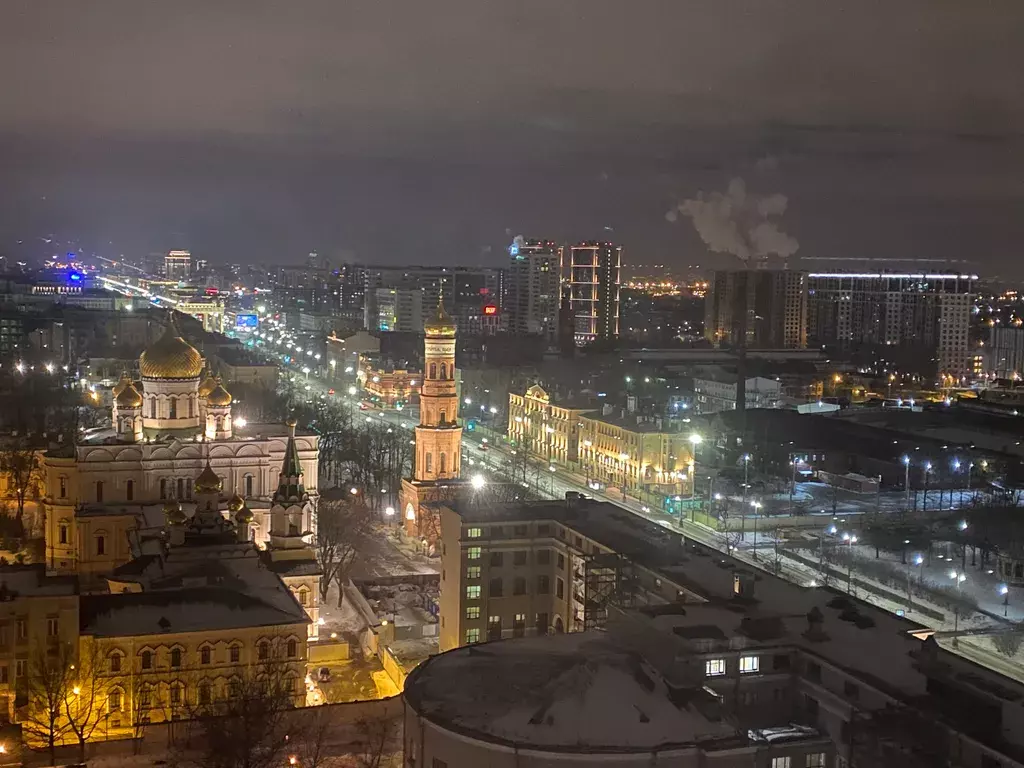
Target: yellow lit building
(545, 429)
(388, 387)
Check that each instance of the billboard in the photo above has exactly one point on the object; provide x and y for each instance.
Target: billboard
(246, 321)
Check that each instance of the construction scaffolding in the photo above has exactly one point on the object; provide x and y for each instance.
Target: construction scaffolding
(608, 579)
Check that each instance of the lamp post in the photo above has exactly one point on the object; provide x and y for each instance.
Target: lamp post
(622, 460)
(959, 577)
(927, 471)
(1005, 592)
(756, 505)
(906, 481)
(586, 464)
(850, 539)
(917, 560)
(746, 464)
(695, 440)
(831, 531)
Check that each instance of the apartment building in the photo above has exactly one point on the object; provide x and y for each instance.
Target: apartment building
(757, 308)
(594, 279)
(532, 288)
(545, 429)
(711, 395)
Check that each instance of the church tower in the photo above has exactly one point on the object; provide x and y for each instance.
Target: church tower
(437, 458)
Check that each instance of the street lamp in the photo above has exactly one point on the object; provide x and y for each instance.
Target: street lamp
(622, 461)
(927, 472)
(756, 505)
(477, 482)
(906, 480)
(959, 577)
(851, 540)
(746, 465)
(1005, 592)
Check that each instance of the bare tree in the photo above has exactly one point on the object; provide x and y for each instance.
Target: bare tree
(50, 683)
(86, 706)
(379, 744)
(344, 522)
(19, 462)
(1008, 642)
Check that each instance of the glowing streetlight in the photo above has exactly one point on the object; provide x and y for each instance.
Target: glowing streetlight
(240, 422)
(696, 439)
(478, 482)
(354, 491)
(389, 512)
(351, 390)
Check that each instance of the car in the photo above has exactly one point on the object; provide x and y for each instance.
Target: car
(323, 674)
(330, 391)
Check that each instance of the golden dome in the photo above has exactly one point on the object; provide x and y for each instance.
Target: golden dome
(171, 357)
(129, 397)
(173, 513)
(208, 385)
(244, 515)
(441, 324)
(236, 503)
(121, 385)
(219, 395)
(207, 482)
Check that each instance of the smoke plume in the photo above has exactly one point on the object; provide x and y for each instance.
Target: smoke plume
(737, 223)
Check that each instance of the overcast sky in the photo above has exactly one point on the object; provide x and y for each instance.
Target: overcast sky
(435, 131)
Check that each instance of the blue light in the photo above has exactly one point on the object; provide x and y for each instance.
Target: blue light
(74, 277)
(513, 250)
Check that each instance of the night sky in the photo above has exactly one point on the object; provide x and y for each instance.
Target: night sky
(424, 132)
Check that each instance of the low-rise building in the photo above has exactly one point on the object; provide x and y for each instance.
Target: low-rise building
(719, 393)
(386, 385)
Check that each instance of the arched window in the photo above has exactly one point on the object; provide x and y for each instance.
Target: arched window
(147, 659)
(433, 370)
(145, 696)
(443, 463)
(188, 487)
(101, 544)
(129, 490)
(114, 700)
(444, 370)
(235, 653)
(191, 407)
(248, 485)
(163, 487)
(115, 661)
(205, 654)
(174, 408)
(152, 408)
(264, 650)
(235, 688)
(292, 649)
(204, 692)
(63, 533)
(443, 418)
(303, 597)
(177, 694)
(451, 372)
(175, 657)
(181, 488)
(99, 490)
(430, 462)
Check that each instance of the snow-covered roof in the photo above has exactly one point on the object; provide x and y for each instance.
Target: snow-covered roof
(578, 692)
(32, 581)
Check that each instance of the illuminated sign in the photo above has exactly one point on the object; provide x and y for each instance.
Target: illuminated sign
(490, 309)
(246, 321)
(513, 250)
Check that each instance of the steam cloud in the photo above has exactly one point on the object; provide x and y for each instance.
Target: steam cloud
(737, 223)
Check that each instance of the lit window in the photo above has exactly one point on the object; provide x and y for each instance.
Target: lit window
(749, 664)
(473, 592)
(473, 572)
(472, 612)
(474, 533)
(114, 701)
(781, 762)
(816, 760)
(473, 553)
(714, 667)
(472, 636)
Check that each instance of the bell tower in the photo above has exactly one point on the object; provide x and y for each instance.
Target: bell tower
(437, 458)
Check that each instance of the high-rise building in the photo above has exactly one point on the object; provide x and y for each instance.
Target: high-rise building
(907, 314)
(399, 310)
(1004, 352)
(594, 290)
(437, 454)
(466, 290)
(757, 308)
(532, 288)
(178, 265)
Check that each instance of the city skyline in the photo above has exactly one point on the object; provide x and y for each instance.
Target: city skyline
(340, 140)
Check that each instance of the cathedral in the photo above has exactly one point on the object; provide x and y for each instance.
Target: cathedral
(172, 467)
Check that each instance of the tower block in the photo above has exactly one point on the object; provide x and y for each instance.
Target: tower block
(437, 458)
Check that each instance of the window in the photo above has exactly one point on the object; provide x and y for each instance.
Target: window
(519, 557)
(304, 597)
(543, 557)
(188, 486)
(561, 561)
(114, 701)
(152, 408)
(176, 696)
(22, 629)
(473, 592)
(204, 692)
(494, 628)
(99, 491)
(544, 529)
(473, 553)
(176, 657)
(472, 636)
(233, 653)
(163, 487)
(472, 612)
(115, 662)
(63, 534)
(542, 623)
(443, 417)
(174, 408)
(129, 490)
(519, 530)
(815, 760)
(101, 545)
(474, 533)
(235, 688)
(264, 651)
(145, 696)
(430, 462)
(4, 677)
(780, 662)
(247, 484)
(473, 572)
(205, 654)
(519, 625)
(180, 483)
(20, 665)
(495, 589)
(543, 585)
(63, 487)
(749, 664)
(444, 370)
(433, 370)
(292, 649)
(519, 586)
(559, 588)
(714, 667)
(781, 762)
(497, 558)
(443, 463)
(147, 659)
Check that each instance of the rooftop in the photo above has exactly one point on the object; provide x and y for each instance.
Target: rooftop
(32, 581)
(577, 692)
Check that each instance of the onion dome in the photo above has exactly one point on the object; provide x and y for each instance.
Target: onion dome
(236, 503)
(441, 324)
(173, 513)
(219, 396)
(121, 385)
(171, 357)
(243, 516)
(207, 482)
(208, 385)
(129, 397)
